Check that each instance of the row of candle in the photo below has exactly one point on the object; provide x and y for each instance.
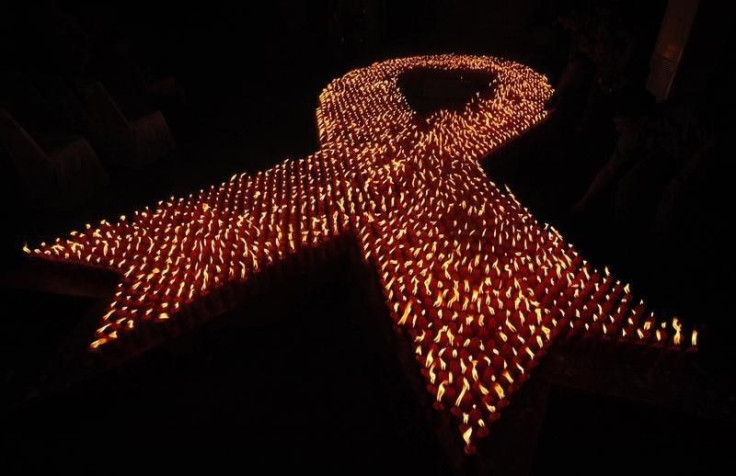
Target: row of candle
(478, 285)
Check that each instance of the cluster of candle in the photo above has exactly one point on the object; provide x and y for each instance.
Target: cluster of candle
(476, 283)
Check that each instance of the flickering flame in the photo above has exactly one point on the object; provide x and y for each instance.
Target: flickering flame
(460, 396)
(677, 326)
(441, 391)
(467, 434)
(97, 343)
(407, 310)
(499, 390)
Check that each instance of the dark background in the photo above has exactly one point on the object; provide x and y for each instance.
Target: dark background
(302, 376)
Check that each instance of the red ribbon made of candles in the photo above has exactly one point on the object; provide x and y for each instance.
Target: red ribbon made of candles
(476, 283)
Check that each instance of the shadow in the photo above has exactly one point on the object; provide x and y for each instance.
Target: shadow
(430, 90)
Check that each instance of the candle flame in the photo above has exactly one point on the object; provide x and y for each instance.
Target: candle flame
(467, 434)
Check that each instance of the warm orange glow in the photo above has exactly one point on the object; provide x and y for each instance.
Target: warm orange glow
(476, 284)
(677, 326)
(499, 390)
(466, 436)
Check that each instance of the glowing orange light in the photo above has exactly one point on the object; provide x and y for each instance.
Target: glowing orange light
(478, 286)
